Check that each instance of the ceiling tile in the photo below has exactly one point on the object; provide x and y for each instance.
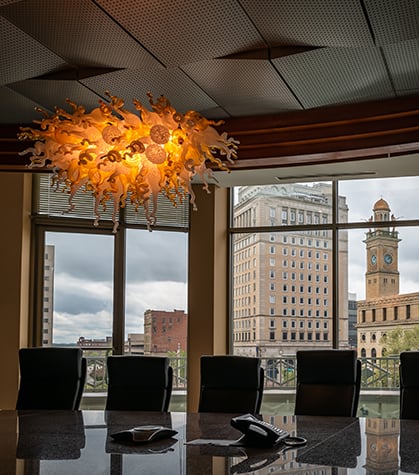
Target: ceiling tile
(17, 108)
(403, 63)
(182, 92)
(393, 20)
(194, 30)
(310, 22)
(80, 32)
(48, 94)
(336, 75)
(241, 86)
(21, 57)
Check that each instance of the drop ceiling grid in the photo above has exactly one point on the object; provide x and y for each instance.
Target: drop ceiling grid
(48, 93)
(393, 20)
(21, 57)
(243, 85)
(310, 22)
(329, 76)
(183, 93)
(186, 31)
(87, 39)
(403, 63)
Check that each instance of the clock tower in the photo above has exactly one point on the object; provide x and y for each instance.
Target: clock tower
(382, 243)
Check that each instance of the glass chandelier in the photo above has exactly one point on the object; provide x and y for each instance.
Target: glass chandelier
(123, 156)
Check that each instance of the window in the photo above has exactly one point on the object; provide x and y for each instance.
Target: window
(330, 250)
(78, 262)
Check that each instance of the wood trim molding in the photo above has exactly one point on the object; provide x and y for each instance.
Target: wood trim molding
(321, 135)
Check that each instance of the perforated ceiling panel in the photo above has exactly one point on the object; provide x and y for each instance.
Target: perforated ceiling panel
(188, 50)
(393, 20)
(243, 85)
(53, 93)
(332, 75)
(310, 22)
(403, 62)
(20, 110)
(195, 30)
(91, 38)
(182, 92)
(21, 57)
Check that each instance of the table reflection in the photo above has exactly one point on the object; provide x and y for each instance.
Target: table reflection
(50, 436)
(60, 442)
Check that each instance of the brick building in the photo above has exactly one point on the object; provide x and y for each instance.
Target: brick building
(165, 331)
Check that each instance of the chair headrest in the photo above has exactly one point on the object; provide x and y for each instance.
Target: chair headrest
(326, 366)
(230, 371)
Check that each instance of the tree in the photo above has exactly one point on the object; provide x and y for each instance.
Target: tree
(399, 340)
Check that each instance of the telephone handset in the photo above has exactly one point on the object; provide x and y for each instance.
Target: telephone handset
(256, 432)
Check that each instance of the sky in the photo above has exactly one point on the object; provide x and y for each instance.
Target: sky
(156, 279)
(157, 265)
(401, 195)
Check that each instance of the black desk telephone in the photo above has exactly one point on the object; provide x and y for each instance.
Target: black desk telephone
(258, 433)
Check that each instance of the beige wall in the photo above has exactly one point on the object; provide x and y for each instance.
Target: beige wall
(208, 331)
(15, 194)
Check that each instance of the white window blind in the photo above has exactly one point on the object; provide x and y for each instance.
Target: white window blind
(50, 201)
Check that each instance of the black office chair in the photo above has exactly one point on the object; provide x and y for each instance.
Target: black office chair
(82, 383)
(328, 383)
(231, 384)
(409, 385)
(139, 383)
(50, 378)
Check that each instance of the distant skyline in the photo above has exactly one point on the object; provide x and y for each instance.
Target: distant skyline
(157, 265)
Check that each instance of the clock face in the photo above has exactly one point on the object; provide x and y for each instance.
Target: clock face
(388, 259)
(373, 259)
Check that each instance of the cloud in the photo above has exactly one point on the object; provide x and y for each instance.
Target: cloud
(152, 256)
(83, 308)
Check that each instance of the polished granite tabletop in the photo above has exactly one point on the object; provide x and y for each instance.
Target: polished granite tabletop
(61, 442)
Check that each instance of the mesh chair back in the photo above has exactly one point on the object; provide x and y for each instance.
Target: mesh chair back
(328, 383)
(50, 378)
(139, 383)
(409, 385)
(231, 384)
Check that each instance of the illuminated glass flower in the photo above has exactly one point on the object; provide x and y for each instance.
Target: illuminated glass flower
(122, 156)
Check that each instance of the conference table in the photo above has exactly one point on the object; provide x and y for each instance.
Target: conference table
(79, 442)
